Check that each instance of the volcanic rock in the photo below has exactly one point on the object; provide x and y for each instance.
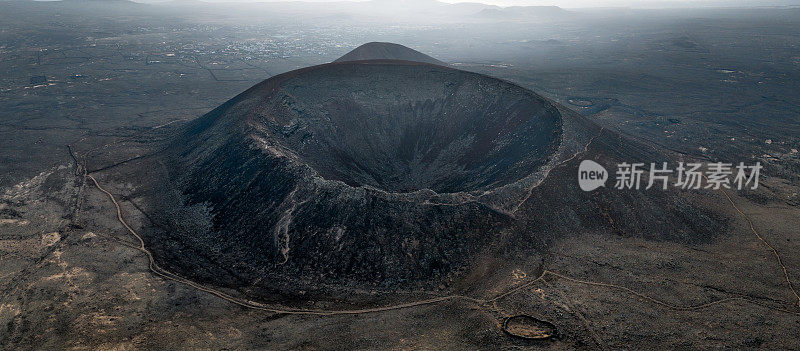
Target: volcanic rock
(392, 174)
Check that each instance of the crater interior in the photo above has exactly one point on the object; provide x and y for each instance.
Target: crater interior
(402, 127)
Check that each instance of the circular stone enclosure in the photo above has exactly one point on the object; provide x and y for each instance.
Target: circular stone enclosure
(402, 127)
(527, 327)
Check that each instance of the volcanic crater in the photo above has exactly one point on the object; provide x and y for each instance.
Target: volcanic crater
(387, 174)
(353, 173)
(408, 127)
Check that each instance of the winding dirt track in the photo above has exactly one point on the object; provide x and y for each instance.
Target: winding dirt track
(245, 303)
(547, 173)
(484, 303)
(771, 248)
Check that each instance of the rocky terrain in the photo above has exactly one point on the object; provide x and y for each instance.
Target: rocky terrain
(111, 236)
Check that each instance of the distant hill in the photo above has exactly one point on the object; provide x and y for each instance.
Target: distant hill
(387, 51)
(522, 12)
(100, 2)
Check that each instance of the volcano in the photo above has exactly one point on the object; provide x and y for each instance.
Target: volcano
(392, 174)
(387, 51)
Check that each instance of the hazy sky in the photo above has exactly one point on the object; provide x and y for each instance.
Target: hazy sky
(638, 3)
(584, 3)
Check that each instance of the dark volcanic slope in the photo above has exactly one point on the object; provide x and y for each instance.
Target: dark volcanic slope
(387, 51)
(331, 170)
(390, 173)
